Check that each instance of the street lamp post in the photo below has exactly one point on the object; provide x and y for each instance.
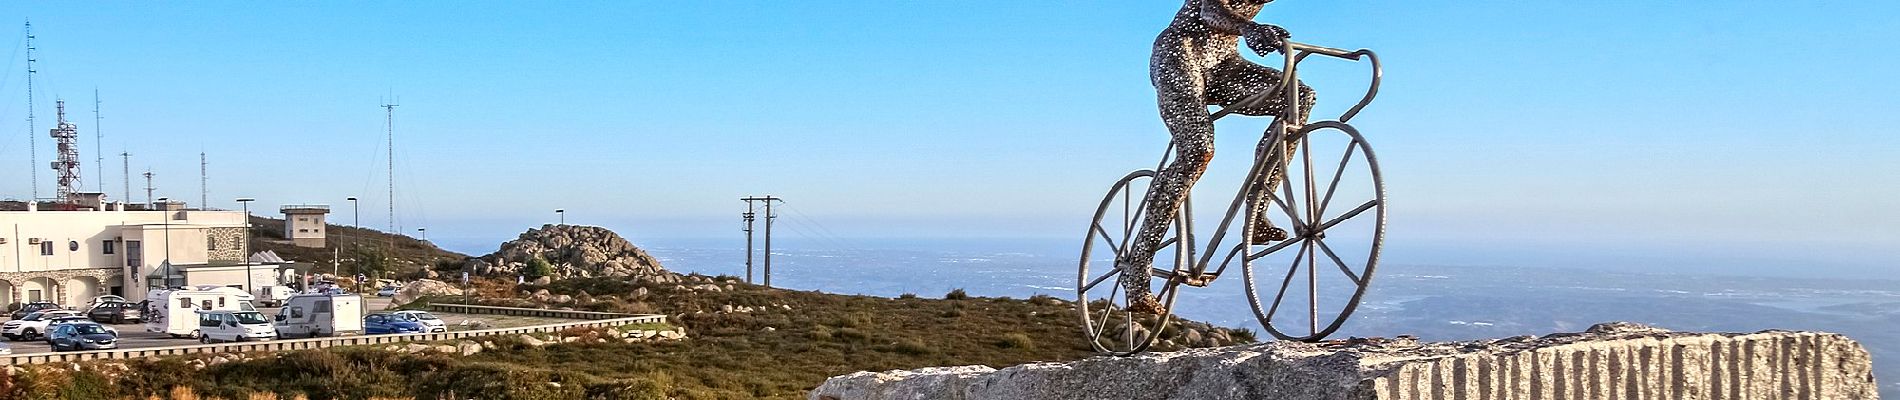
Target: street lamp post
(244, 252)
(563, 213)
(424, 232)
(356, 219)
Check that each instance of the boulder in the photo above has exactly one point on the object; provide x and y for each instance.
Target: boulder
(570, 251)
(422, 288)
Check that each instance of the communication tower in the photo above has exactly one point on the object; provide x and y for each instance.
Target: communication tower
(66, 166)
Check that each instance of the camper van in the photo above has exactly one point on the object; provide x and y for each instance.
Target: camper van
(273, 296)
(233, 326)
(175, 311)
(313, 315)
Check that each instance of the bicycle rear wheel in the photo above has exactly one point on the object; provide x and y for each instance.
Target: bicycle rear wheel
(1106, 322)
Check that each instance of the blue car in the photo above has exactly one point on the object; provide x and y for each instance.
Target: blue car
(379, 324)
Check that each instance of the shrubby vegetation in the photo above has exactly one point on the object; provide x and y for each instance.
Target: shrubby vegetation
(788, 343)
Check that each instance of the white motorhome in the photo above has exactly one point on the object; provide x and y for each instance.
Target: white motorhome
(273, 296)
(175, 311)
(313, 315)
(233, 326)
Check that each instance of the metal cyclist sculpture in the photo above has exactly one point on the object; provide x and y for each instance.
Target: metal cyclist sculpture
(1326, 214)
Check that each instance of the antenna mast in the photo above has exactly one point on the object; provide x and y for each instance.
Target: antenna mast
(98, 140)
(66, 166)
(32, 137)
(126, 172)
(149, 205)
(389, 127)
(204, 182)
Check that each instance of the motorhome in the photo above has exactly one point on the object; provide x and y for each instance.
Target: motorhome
(175, 311)
(273, 296)
(313, 315)
(233, 326)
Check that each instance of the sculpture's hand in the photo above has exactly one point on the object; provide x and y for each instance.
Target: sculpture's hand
(1265, 39)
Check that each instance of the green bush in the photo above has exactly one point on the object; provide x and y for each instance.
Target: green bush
(538, 267)
(1016, 341)
(956, 294)
(1243, 335)
(907, 296)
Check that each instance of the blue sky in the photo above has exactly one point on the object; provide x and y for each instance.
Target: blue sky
(1538, 132)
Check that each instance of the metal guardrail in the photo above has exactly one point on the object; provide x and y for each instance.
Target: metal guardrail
(524, 312)
(319, 343)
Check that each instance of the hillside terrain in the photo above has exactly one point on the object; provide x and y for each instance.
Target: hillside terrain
(408, 255)
(746, 341)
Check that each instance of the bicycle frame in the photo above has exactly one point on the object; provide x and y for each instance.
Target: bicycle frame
(1284, 128)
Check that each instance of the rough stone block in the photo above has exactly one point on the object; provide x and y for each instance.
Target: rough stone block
(1609, 363)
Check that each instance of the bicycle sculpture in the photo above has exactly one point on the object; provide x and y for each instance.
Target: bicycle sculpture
(1329, 222)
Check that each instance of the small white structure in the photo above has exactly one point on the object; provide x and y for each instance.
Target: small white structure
(313, 315)
(304, 225)
(175, 311)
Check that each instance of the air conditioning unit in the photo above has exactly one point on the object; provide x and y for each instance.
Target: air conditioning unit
(33, 241)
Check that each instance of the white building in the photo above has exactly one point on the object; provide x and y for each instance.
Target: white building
(68, 257)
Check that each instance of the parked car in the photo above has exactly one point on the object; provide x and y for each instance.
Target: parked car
(233, 326)
(117, 312)
(82, 336)
(33, 325)
(377, 324)
(68, 319)
(106, 299)
(428, 320)
(29, 308)
(387, 291)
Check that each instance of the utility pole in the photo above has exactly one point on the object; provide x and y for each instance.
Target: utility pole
(748, 216)
(769, 216)
(33, 141)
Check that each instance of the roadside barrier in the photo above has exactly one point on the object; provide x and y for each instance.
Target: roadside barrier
(524, 312)
(593, 320)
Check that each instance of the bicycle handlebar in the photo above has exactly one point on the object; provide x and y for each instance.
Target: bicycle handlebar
(1292, 47)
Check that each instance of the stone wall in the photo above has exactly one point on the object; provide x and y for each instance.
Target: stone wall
(224, 244)
(1611, 361)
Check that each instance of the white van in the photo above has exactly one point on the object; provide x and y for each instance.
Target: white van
(233, 326)
(313, 315)
(175, 311)
(273, 296)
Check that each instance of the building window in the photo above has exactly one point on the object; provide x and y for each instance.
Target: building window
(46, 247)
(133, 256)
(110, 247)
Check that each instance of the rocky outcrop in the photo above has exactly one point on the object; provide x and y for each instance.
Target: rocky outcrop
(423, 288)
(571, 251)
(1609, 361)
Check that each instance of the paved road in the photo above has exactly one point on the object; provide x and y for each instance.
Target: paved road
(135, 336)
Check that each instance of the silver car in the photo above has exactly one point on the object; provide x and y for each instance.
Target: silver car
(82, 336)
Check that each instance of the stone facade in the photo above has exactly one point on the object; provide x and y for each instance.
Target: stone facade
(60, 278)
(225, 244)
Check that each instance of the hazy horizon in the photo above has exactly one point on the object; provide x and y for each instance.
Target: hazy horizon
(1745, 137)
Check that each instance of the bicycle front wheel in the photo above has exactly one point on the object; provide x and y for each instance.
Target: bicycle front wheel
(1331, 199)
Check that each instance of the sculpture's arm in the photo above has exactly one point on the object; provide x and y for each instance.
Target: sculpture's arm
(1262, 38)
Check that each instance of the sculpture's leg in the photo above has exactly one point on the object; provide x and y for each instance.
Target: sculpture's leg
(1179, 94)
(1235, 80)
